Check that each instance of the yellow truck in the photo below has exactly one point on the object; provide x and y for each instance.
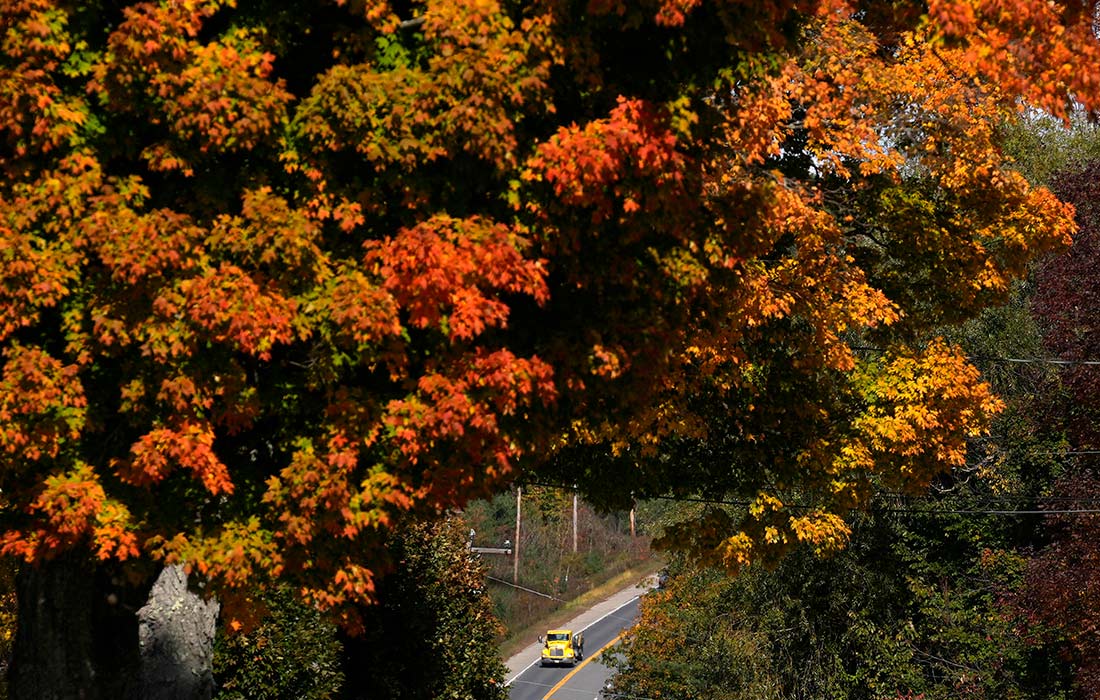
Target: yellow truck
(561, 647)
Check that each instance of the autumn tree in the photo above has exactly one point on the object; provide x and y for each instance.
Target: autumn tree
(918, 603)
(1059, 598)
(1066, 301)
(274, 274)
(913, 605)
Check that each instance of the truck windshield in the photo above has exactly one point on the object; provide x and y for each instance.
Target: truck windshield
(559, 637)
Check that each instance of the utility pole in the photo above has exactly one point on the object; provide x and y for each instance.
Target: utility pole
(574, 520)
(506, 549)
(515, 550)
(632, 520)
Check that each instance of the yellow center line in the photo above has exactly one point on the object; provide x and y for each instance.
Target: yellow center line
(578, 667)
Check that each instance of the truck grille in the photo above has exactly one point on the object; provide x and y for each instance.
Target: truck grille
(556, 652)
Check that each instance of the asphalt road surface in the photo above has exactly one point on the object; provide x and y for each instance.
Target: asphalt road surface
(584, 681)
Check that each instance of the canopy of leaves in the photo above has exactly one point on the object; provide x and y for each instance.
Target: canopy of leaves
(1061, 591)
(932, 598)
(8, 613)
(912, 608)
(1046, 148)
(274, 273)
(432, 633)
(1060, 599)
(293, 653)
(1066, 303)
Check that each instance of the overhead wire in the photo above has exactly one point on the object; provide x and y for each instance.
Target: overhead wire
(1000, 358)
(877, 509)
(527, 590)
(1034, 360)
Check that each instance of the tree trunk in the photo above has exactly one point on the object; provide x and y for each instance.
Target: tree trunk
(176, 632)
(81, 636)
(53, 656)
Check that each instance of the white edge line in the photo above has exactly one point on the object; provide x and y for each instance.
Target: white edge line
(583, 629)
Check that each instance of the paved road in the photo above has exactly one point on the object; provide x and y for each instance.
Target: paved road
(585, 680)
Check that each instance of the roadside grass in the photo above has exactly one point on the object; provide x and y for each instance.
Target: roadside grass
(516, 640)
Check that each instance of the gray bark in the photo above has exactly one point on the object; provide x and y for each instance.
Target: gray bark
(176, 637)
(81, 636)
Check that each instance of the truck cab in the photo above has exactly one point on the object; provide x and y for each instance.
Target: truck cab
(561, 647)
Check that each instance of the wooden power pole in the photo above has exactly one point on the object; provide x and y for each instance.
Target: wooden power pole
(515, 545)
(574, 522)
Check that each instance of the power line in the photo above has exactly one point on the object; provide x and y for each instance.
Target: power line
(1033, 360)
(1000, 358)
(528, 590)
(874, 509)
(904, 511)
(990, 497)
(914, 511)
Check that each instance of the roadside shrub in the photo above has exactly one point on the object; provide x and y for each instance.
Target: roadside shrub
(293, 653)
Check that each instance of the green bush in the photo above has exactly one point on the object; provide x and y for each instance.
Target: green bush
(432, 634)
(293, 653)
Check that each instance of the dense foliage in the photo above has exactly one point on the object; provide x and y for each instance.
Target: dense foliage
(8, 608)
(936, 596)
(293, 653)
(1061, 594)
(1066, 301)
(274, 274)
(928, 602)
(432, 633)
(911, 607)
